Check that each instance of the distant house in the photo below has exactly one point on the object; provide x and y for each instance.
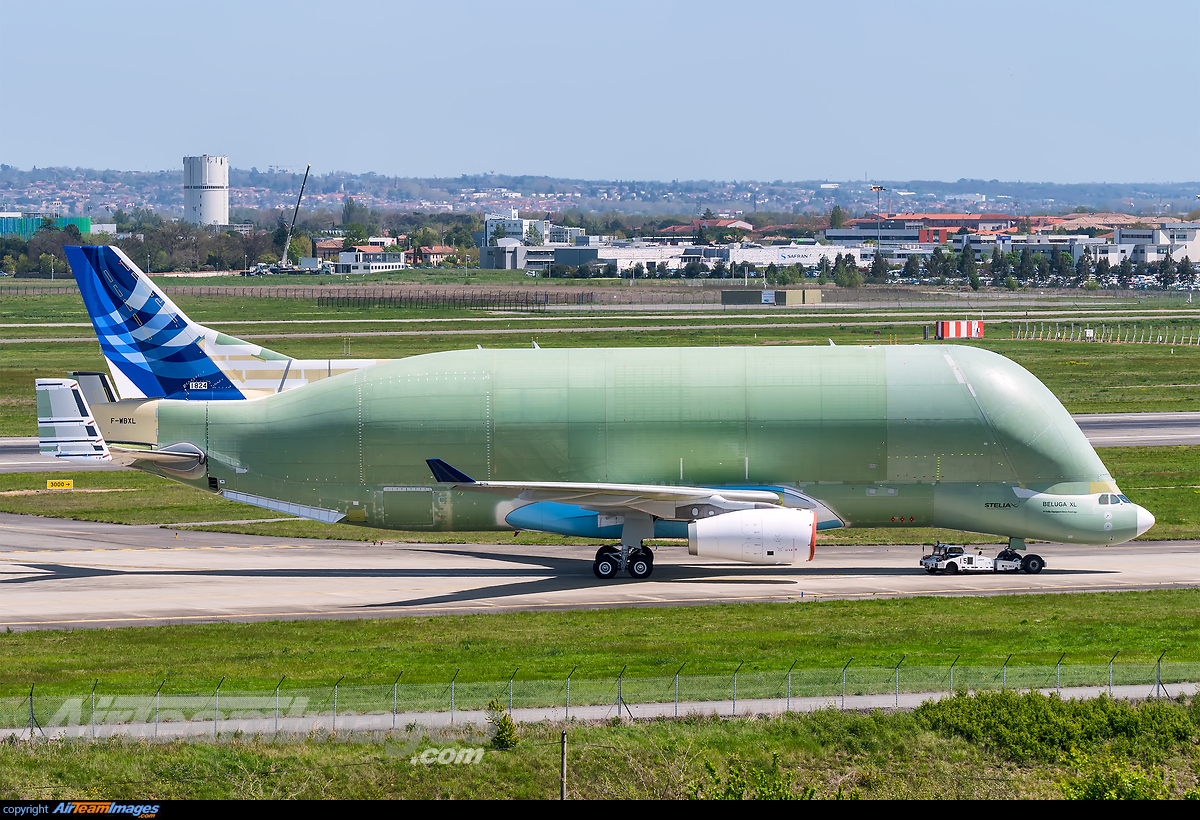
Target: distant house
(328, 248)
(435, 255)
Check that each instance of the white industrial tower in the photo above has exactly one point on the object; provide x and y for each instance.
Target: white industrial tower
(206, 190)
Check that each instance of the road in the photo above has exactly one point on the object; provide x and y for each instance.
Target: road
(76, 574)
(20, 454)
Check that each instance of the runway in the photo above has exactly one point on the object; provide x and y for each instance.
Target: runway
(57, 574)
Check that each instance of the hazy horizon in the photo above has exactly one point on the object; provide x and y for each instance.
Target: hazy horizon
(655, 91)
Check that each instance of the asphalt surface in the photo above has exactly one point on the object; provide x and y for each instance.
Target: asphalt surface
(20, 454)
(57, 574)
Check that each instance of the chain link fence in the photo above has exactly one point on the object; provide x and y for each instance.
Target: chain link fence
(384, 706)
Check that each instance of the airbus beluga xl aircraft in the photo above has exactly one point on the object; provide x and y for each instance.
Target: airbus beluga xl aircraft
(746, 452)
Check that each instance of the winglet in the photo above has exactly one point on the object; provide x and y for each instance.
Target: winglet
(443, 473)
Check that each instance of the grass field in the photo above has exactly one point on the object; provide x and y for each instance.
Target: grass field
(1148, 749)
(714, 639)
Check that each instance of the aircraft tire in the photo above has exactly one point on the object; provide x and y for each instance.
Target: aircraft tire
(931, 570)
(641, 563)
(608, 551)
(1033, 564)
(605, 568)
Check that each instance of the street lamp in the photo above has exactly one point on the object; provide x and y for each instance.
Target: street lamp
(878, 189)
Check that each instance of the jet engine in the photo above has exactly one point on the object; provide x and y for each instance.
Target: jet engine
(774, 535)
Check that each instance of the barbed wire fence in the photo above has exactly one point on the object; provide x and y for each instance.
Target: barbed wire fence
(158, 712)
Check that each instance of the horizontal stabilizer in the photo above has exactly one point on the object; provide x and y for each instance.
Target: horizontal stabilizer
(66, 427)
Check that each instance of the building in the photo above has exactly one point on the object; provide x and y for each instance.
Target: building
(26, 224)
(1177, 239)
(206, 190)
(363, 259)
(436, 254)
(498, 226)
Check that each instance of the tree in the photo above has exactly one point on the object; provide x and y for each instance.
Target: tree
(845, 272)
(353, 212)
(498, 233)
(1103, 273)
(1186, 272)
(823, 269)
(999, 270)
(879, 267)
(1125, 273)
(1166, 272)
(533, 236)
(966, 263)
(912, 267)
(1026, 268)
(837, 217)
(935, 263)
(1083, 269)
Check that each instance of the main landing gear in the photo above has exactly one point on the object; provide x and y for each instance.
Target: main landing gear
(629, 555)
(639, 563)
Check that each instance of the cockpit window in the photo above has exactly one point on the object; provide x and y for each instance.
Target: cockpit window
(1103, 498)
(1124, 500)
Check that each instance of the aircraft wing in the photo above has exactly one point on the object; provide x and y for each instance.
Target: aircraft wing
(662, 501)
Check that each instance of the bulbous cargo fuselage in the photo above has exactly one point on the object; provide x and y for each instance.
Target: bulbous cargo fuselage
(917, 436)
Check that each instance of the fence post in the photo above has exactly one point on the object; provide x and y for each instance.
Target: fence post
(94, 685)
(1004, 672)
(31, 712)
(677, 671)
(456, 671)
(1058, 673)
(902, 657)
(788, 708)
(620, 676)
(844, 681)
(335, 688)
(281, 680)
(952, 673)
(156, 691)
(395, 686)
(510, 688)
(1158, 675)
(1110, 665)
(572, 672)
(217, 708)
(735, 671)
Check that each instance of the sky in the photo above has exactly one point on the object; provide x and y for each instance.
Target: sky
(1095, 91)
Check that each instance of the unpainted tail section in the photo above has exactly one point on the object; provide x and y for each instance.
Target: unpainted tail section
(155, 351)
(66, 427)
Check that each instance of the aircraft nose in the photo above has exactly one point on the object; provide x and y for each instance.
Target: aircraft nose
(1145, 520)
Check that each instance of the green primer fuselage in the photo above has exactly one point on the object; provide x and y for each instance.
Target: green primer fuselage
(924, 435)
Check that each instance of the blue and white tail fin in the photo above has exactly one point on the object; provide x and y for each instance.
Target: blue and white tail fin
(155, 351)
(66, 427)
(152, 348)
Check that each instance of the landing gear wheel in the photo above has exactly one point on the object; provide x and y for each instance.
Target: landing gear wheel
(610, 552)
(1032, 564)
(952, 569)
(605, 568)
(641, 563)
(931, 570)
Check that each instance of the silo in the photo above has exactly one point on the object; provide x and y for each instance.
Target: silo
(206, 190)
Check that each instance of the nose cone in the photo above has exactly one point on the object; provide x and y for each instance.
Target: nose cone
(1144, 519)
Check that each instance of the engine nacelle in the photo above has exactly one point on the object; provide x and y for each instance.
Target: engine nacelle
(764, 536)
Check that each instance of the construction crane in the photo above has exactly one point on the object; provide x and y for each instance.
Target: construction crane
(287, 243)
